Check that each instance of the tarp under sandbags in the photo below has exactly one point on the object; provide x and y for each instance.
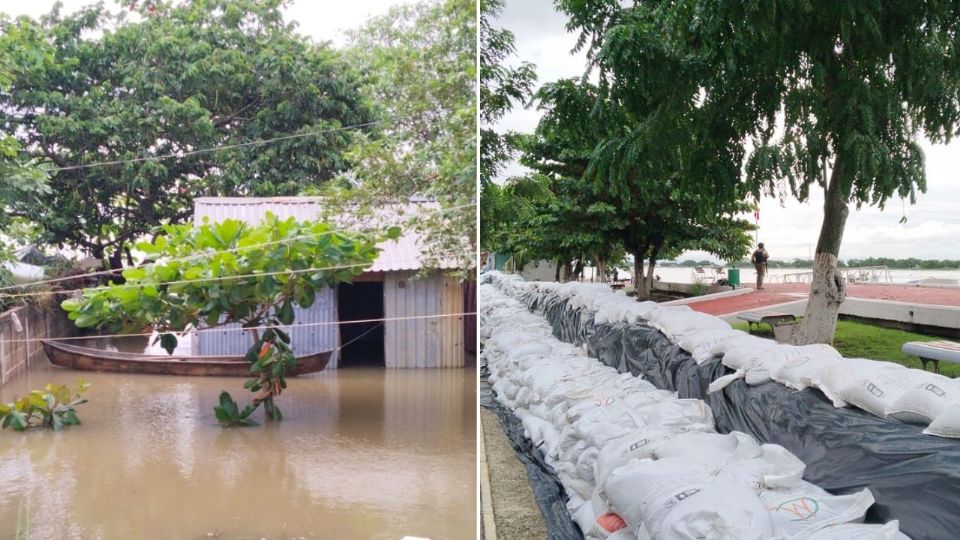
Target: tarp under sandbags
(547, 491)
(582, 414)
(915, 478)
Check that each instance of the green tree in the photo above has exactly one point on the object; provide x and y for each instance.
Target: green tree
(500, 87)
(628, 187)
(21, 48)
(229, 272)
(172, 79)
(419, 64)
(829, 95)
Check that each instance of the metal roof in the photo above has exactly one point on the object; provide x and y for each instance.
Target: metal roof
(403, 254)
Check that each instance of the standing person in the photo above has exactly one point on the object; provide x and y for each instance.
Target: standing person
(759, 260)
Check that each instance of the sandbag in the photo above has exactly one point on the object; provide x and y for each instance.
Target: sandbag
(947, 424)
(803, 371)
(923, 403)
(859, 531)
(638, 444)
(701, 344)
(800, 511)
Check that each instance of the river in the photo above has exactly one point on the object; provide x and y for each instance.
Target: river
(748, 275)
(361, 453)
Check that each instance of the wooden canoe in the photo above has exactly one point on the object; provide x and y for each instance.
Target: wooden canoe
(87, 359)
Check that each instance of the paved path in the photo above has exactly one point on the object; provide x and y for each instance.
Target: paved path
(774, 294)
(515, 512)
(941, 296)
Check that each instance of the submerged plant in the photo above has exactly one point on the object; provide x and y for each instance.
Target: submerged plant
(230, 272)
(53, 407)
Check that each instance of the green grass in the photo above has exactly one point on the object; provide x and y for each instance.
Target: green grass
(859, 340)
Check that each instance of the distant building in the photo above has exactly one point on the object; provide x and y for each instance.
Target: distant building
(390, 289)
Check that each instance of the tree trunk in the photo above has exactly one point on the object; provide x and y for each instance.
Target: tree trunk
(601, 270)
(567, 271)
(578, 270)
(827, 290)
(650, 268)
(641, 285)
(556, 276)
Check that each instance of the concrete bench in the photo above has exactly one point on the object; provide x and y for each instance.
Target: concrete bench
(933, 351)
(764, 317)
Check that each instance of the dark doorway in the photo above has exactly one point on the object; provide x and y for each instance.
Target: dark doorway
(362, 342)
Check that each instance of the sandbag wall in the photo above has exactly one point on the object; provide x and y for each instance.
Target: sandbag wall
(914, 477)
(637, 461)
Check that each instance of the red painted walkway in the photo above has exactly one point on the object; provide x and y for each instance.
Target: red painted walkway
(778, 293)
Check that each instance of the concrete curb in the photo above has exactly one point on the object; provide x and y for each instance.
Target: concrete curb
(489, 524)
(707, 297)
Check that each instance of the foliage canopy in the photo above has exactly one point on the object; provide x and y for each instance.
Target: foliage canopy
(230, 272)
(170, 79)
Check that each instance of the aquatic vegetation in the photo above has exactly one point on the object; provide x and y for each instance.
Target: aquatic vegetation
(53, 407)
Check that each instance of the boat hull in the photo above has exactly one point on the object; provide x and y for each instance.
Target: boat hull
(87, 359)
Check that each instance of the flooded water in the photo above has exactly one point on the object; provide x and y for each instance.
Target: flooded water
(361, 453)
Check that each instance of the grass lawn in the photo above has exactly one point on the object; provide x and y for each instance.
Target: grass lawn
(859, 340)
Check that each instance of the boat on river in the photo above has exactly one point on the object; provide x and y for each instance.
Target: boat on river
(90, 359)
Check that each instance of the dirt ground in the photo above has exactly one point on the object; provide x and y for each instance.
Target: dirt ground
(515, 512)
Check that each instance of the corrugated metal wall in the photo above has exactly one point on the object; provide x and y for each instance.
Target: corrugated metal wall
(470, 321)
(418, 343)
(422, 343)
(306, 340)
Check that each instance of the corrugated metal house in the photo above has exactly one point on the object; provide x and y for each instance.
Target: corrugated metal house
(389, 289)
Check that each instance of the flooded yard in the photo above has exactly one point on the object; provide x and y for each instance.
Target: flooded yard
(361, 453)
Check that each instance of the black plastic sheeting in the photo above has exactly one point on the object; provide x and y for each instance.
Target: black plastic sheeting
(547, 490)
(914, 478)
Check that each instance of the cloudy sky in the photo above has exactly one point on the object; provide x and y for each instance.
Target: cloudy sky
(789, 230)
(322, 21)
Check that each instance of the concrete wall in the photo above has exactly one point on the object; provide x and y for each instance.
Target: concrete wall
(937, 320)
(20, 324)
(687, 288)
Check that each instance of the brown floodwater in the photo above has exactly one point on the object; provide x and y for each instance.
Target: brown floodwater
(361, 453)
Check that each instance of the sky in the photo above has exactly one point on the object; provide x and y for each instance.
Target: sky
(789, 229)
(321, 20)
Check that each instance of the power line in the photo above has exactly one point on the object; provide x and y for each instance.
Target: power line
(241, 329)
(179, 259)
(210, 149)
(195, 280)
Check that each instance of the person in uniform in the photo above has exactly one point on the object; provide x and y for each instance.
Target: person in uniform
(759, 260)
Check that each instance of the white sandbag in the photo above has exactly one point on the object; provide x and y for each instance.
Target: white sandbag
(726, 380)
(805, 509)
(700, 344)
(708, 448)
(718, 512)
(620, 308)
(677, 321)
(803, 370)
(638, 444)
(683, 414)
(582, 514)
(770, 467)
(947, 424)
(853, 373)
(874, 392)
(740, 352)
(923, 403)
(669, 499)
(622, 534)
(860, 531)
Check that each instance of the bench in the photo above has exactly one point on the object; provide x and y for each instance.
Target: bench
(700, 275)
(933, 351)
(764, 317)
